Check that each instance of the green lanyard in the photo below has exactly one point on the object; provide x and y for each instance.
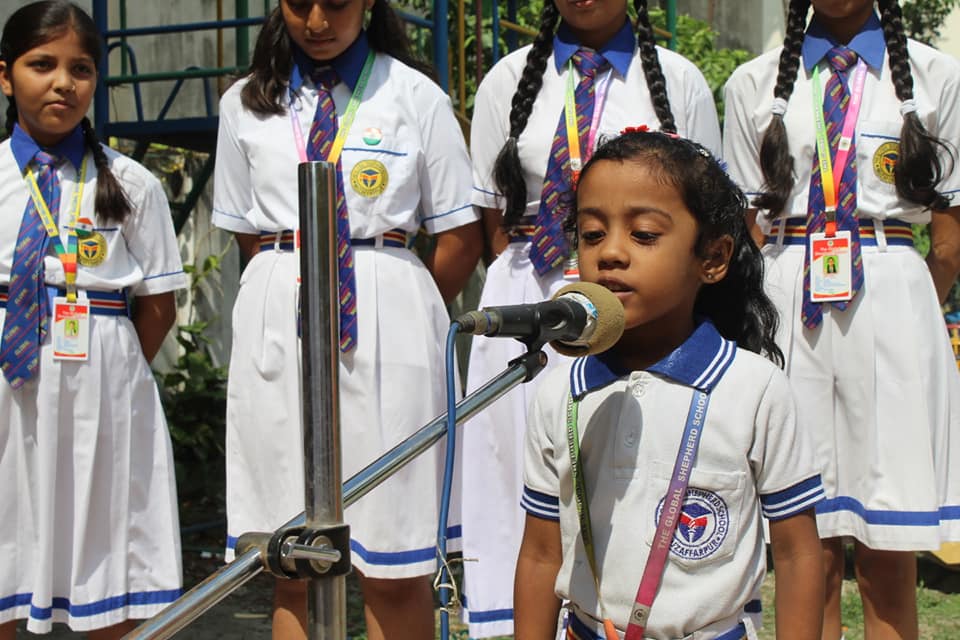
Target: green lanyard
(346, 121)
(68, 254)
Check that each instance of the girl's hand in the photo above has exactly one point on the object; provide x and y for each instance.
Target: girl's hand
(944, 257)
(454, 258)
(536, 606)
(798, 571)
(152, 318)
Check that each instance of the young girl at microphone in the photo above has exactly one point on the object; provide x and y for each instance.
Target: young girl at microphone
(652, 463)
(89, 534)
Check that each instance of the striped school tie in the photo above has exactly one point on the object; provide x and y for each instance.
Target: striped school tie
(835, 100)
(549, 248)
(322, 134)
(25, 323)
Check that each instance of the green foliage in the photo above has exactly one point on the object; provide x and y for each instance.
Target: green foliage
(923, 19)
(194, 395)
(696, 41)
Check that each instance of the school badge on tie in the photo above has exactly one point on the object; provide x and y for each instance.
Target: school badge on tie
(91, 245)
(885, 159)
(369, 178)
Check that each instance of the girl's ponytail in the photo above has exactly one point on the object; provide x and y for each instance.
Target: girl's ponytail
(656, 83)
(111, 203)
(507, 171)
(918, 169)
(776, 163)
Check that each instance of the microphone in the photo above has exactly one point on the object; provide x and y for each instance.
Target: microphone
(582, 318)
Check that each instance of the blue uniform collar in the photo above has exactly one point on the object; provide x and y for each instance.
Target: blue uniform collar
(699, 362)
(618, 51)
(24, 148)
(869, 43)
(348, 64)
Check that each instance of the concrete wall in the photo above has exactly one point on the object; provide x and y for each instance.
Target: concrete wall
(754, 25)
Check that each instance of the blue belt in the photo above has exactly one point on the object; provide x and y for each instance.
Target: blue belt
(896, 232)
(284, 240)
(578, 630)
(102, 303)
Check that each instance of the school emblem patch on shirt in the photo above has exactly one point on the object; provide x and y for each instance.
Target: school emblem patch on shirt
(92, 250)
(885, 159)
(369, 178)
(704, 523)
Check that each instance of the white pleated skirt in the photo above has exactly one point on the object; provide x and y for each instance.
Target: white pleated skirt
(493, 451)
(391, 384)
(90, 534)
(877, 385)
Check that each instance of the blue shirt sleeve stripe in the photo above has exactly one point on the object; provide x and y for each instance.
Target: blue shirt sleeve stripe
(540, 505)
(447, 213)
(792, 500)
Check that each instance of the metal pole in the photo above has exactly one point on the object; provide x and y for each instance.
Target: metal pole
(320, 344)
(215, 588)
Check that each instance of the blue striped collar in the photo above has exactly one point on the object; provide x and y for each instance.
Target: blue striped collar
(24, 147)
(699, 362)
(618, 51)
(869, 43)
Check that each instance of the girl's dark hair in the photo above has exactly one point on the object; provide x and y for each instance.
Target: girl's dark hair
(507, 171)
(918, 169)
(272, 60)
(737, 304)
(36, 24)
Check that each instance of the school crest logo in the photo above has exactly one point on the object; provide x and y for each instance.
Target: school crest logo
(885, 159)
(703, 526)
(92, 250)
(369, 178)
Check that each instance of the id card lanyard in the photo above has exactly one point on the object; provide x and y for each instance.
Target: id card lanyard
(343, 128)
(68, 254)
(831, 173)
(571, 269)
(669, 518)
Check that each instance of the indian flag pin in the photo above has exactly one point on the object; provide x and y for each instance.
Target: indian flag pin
(84, 227)
(372, 136)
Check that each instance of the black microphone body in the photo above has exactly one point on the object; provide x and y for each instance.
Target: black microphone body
(563, 318)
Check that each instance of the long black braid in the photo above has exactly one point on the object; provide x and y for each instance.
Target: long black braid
(652, 70)
(111, 202)
(918, 169)
(507, 170)
(776, 163)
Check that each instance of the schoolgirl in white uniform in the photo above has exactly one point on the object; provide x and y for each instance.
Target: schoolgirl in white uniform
(404, 165)
(90, 534)
(643, 84)
(651, 464)
(876, 382)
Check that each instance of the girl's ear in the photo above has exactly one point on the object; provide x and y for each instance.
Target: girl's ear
(6, 82)
(716, 259)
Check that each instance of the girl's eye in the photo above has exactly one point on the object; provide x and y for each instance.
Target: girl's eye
(41, 65)
(591, 237)
(336, 6)
(84, 69)
(645, 237)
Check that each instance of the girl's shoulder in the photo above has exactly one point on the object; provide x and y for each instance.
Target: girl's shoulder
(134, 177)
(926, 59)
(506, 72)
(756, 71)
(402, 77)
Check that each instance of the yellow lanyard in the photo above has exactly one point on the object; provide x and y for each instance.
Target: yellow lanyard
(68, 255)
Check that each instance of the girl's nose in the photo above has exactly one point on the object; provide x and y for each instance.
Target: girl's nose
(613, 251)
(316, 20)
(64, 81)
